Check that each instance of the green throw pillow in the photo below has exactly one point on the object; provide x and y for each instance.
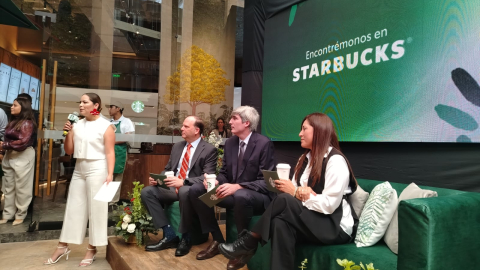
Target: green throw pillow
(376, 215)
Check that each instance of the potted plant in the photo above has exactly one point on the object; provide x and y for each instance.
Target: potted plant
(134, 222)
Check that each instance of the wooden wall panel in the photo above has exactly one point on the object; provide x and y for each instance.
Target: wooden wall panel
(162, 148)
(19, 63)
(30, 69)
(9, 59)
(138, 168)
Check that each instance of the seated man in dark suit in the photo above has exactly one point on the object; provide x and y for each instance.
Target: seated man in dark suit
(241, 180)
(189, 160)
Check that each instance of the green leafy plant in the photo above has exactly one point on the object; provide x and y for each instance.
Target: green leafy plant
(134, 220)
(350, 265)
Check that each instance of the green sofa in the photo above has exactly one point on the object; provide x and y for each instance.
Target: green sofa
(434, 233)
(172, 211)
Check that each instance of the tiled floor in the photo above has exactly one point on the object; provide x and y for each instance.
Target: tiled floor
(45, 211)
(31, 255)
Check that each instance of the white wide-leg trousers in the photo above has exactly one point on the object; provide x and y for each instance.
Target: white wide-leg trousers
(87, 179)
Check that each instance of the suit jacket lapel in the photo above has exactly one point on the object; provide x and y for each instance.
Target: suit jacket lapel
(248, 152)
(234, 158)
(176, 155)
(200, 147)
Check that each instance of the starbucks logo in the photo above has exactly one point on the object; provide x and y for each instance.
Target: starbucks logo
(213, 197)
(138, 106)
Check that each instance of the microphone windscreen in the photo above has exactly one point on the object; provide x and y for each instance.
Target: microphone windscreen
(73, 117)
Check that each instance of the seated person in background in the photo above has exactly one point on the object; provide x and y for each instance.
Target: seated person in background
(220, 130)
(314, 206)
(240, 179)
(189, 160)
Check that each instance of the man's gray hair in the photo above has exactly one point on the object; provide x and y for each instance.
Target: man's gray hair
(248, 113)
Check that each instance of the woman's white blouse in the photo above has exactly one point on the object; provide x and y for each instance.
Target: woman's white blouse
(337, 178)
(88, 142)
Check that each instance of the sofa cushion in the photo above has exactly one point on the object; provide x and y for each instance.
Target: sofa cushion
(369, 185)
(376, 215)
(412, 191)
(359, 199)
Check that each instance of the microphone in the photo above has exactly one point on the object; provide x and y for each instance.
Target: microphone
(73, 118)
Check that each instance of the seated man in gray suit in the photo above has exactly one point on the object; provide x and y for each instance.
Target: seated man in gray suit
(189, 160)
(241, 181)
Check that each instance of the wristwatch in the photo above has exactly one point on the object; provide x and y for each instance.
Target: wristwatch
(186, 182)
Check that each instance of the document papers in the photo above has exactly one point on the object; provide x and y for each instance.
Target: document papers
(106, 193)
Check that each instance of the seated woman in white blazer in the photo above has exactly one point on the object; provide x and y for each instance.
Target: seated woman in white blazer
(92, 141)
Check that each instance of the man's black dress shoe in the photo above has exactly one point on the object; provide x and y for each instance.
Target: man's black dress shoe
(183, 248)
(238, 250)
(163, 244)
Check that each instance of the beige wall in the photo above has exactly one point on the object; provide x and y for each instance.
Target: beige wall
(102, 44)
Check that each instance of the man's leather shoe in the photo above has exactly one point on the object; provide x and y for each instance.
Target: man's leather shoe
(183, 248)
(209, 252)
(235, 264)
(238, 249)
(163, 244)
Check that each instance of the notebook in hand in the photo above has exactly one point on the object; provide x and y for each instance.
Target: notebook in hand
(210, 198)
(270, 177)
(160, 180)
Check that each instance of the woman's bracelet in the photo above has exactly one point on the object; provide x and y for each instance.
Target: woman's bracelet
(295, 193)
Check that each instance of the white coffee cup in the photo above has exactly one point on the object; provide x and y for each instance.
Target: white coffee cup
(211, 179)
(169, 174)
(283, 170)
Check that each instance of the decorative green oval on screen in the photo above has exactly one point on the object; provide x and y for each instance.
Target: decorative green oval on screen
(456, 117)
(293, 11)
(464, 139)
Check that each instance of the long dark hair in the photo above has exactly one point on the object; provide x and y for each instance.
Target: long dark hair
(324, 136)
(224, 125)
(26, 114)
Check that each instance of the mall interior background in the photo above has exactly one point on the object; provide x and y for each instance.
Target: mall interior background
(145, 53)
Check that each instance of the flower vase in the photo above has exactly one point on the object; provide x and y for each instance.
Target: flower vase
(132, 239)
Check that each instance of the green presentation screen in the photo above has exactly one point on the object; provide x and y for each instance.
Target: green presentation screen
(396, 70)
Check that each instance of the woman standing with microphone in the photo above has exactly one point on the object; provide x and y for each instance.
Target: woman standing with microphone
(92, 141)
(18, 161)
